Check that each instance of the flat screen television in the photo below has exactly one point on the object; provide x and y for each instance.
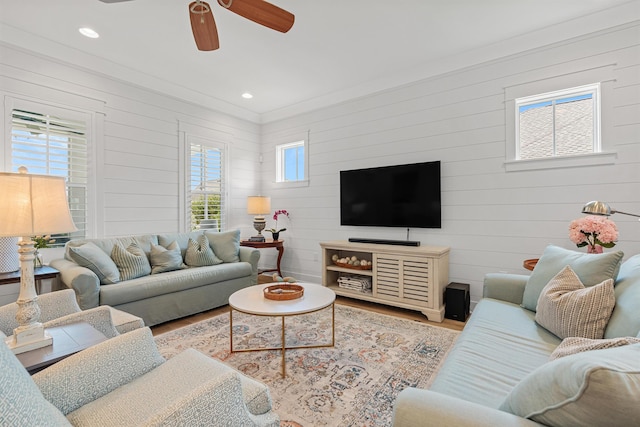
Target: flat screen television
(392, 196)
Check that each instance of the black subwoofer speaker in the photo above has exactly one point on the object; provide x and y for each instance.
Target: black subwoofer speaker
(457, 301)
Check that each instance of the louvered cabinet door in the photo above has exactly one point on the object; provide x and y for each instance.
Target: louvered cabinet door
(403, 279)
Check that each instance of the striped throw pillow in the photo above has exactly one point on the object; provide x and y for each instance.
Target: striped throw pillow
(567, 308)
(199, 253)
(573, 345)
(132, 262)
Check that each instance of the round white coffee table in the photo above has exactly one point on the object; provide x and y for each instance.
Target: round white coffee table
(251, 300)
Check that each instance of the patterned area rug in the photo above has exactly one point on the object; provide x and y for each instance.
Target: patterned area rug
(352, 384)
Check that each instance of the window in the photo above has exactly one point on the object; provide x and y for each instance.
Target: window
(557, 124)
(291, 162)
(54, 144)
(206, 185)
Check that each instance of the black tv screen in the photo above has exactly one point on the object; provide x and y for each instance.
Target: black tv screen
(392, 196)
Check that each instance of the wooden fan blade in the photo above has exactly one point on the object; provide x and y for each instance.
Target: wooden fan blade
(261, 12)
(203, 26)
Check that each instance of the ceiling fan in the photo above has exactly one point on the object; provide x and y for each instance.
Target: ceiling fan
(204, 28)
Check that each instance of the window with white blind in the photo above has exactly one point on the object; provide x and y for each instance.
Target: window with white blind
(52, 142)
(206, 201)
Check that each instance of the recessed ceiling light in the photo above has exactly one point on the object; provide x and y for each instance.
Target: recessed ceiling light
(247, 95)
(88, 32)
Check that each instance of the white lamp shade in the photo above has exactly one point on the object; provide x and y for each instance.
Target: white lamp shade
(258, 205)
(33, 205)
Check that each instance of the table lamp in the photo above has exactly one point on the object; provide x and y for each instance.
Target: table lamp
(601, 208)
(32, 205)
(259, 206)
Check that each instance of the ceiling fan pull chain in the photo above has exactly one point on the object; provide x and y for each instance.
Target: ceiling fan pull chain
(226, 5)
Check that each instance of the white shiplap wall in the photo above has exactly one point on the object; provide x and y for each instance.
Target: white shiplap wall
(492, 219)
(138, 143)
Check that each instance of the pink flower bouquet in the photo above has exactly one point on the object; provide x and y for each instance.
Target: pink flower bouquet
(593, 230)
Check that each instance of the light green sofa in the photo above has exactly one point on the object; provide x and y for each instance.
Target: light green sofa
(124, 381)
(499, 373)
(165, 296)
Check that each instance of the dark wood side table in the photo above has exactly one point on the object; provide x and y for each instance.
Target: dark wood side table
(67, 340)
(40, 274)
(278, 244)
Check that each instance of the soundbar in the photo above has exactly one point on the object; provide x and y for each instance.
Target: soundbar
(385, 242)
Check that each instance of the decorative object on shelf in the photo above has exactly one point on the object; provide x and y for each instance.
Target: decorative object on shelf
(40, 242)
(595, 232)
(352, 262)
(283, 292)
(258, 206)
(9, 257)
(602, 209)
(274, 231)
(34, 205)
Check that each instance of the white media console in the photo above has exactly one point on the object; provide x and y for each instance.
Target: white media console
(402, 276)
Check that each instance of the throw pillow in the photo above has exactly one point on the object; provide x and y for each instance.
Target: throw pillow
(595, 388)
(226, 245)
(573, 345)
(95, 259)
(590, 268)
(199, 253)
(625, 319)
(165, 259)
(132, 261)
(567, 309)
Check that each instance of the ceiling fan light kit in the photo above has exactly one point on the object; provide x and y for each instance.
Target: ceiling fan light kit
(203, 26)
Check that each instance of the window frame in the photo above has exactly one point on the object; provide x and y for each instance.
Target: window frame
(604, 75)
(554, 97)
(281, 163)
(61, 114)
(191, 141)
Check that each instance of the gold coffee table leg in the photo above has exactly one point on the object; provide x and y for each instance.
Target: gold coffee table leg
(284, 348)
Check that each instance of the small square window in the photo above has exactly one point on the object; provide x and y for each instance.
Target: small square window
(291, 162)
(558, 124)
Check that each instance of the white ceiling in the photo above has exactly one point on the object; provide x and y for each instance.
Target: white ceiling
(336, 50)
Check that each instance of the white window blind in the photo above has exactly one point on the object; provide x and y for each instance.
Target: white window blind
(56, 145)
(206, 200)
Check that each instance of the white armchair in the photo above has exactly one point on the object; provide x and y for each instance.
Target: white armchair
(60, 308)
(125, 381)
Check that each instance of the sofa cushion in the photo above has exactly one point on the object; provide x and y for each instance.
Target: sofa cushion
(165, 259)
(200, 254)
(21, 402)
(226, 245)
(625, 319)
(92, 257)
(590, 268)
(172, 282)
(573, 345)
(132, 261)
(499, 346)
(568, 309)
(595, 388)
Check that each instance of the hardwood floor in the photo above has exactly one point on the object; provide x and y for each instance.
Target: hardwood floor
(365, 305)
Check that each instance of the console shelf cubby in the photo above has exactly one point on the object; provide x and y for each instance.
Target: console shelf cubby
(402, 276)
